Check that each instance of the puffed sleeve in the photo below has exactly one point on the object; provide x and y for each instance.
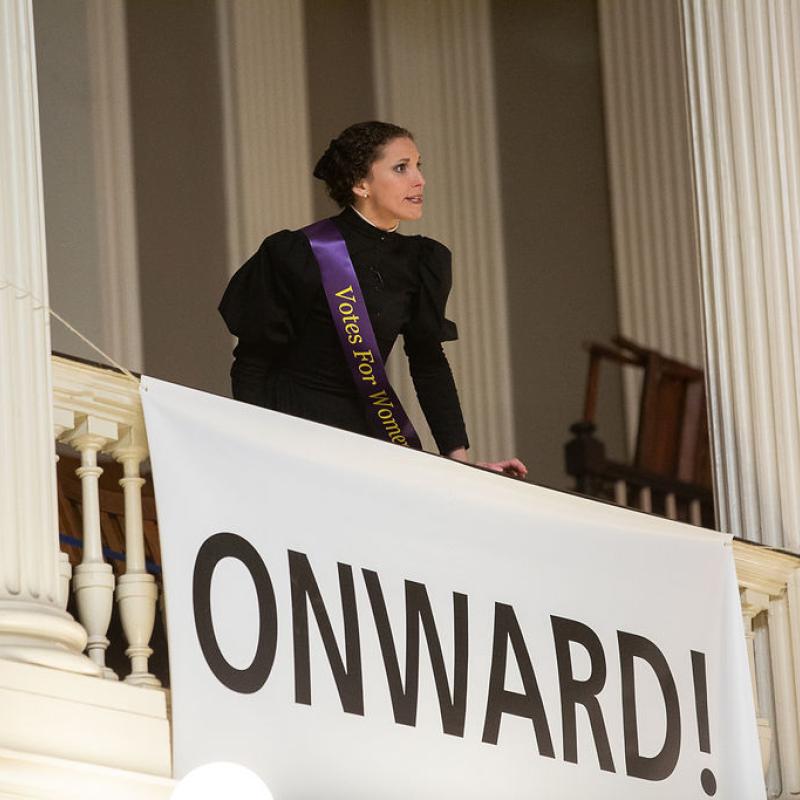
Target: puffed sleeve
(259, 304)
(436, 278)
(423, 335)
(263, 306)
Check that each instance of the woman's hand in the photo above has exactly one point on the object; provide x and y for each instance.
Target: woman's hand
(512, 466)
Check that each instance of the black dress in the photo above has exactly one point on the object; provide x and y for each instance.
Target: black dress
(289, 358)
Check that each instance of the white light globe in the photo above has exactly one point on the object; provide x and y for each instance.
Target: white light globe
(221, 779)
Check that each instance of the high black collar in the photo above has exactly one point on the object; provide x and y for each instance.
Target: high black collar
(351, 220)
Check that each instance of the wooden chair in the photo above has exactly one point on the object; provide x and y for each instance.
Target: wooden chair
(671, 466)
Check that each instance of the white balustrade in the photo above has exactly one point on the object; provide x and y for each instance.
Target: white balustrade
(769, 581)
(783, 682)
(98, 413)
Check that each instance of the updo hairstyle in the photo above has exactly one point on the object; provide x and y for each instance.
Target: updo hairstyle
(351, 154)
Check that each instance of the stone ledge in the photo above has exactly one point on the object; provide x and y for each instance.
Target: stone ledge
(84, 719)
(36, 777)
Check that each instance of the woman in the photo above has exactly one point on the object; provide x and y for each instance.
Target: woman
(289, 357)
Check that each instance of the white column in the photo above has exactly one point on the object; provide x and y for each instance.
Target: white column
(743, 61)
(33, 626)
(63, 420)
(649, 168)
(266, 125)
(114, 183)
(433, 65)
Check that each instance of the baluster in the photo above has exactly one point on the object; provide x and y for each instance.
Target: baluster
(793, 598)
(670, 506)
(646, 500)
(695, 513)
(63, 420)
(753, 603)
(785, 704)
(136, 589)
(93, 578)
(621, 493)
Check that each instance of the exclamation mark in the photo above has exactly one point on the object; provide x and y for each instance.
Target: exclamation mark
(707, 779)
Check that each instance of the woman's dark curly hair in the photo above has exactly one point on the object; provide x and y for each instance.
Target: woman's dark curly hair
(351, 154)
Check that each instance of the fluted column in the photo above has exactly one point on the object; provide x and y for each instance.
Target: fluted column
(114, 182)
(433, 66)
(33, 626)
(649, 168)
(265, 120)
(744, 84)
(743, 68)
(63, 420)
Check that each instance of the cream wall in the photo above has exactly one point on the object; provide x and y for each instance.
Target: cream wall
(68, 170)
(557, 224)
(651, 187)
(180, 204)
(340, 70)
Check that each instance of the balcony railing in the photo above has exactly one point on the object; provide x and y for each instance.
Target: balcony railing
(112, 539)
(98, 419)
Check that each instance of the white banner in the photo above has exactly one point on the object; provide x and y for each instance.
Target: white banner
(351, 619)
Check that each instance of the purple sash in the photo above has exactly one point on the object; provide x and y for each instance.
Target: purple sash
(385, 416)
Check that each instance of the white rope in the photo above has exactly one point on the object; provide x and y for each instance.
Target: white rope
(23, 293)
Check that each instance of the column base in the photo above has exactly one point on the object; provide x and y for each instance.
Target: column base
(136, 595)
(109, 674)
(35, 633)
(765, 742)
(143, 679)
(93, 586)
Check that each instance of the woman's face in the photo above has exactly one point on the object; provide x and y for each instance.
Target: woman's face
(394, 185)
